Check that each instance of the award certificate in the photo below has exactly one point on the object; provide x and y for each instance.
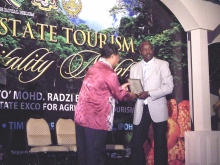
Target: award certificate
(135, 86)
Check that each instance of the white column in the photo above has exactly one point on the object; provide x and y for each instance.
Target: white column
(200, 80)
(202, 146)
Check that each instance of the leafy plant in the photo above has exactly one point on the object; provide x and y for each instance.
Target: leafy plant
(3, 60)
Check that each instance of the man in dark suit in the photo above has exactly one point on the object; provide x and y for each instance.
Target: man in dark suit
(151, 105)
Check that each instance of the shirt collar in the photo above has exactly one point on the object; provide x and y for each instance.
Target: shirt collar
(147, 63)
(105, 61)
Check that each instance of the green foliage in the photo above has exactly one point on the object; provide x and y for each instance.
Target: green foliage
(162, 29)
(165, 34)
(3, 60)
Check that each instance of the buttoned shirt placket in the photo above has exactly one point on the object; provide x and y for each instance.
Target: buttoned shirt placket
(145, 75)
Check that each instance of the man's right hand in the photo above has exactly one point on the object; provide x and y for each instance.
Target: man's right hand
(143, 95)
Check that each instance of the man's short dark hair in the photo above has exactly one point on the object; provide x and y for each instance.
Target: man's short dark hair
(145, 42)
(109, 49)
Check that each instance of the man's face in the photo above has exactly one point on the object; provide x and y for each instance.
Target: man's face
(147, 52)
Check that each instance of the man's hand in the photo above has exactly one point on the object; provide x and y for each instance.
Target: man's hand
(143, 95)
(125, 86)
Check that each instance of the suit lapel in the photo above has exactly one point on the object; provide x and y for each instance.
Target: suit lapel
(139, 72)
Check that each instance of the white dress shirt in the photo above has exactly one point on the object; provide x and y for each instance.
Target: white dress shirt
(146, 66)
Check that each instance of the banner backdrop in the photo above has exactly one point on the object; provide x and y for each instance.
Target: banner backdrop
(48, 47)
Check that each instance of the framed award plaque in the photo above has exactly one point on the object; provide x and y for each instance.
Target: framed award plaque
(135, 86)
